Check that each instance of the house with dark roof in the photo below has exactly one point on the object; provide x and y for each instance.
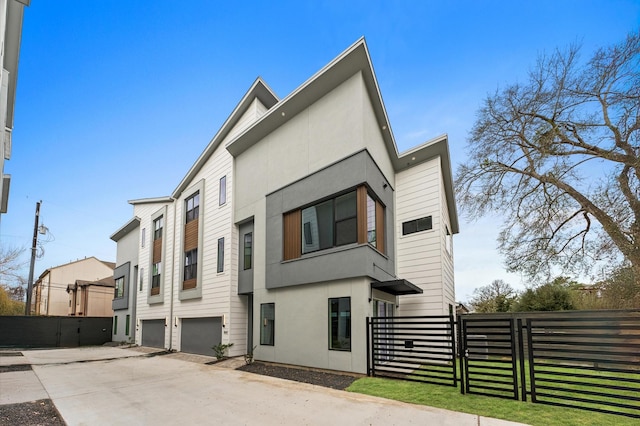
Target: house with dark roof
(298, 221)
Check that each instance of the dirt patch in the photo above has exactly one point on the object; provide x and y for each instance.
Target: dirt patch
(320, 378)
(15, 367)
(35, 413)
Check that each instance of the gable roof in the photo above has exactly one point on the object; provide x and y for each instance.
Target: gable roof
(353, 60)
(259, 90)
(111, 265)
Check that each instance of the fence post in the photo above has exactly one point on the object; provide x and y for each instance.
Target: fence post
(368, 348)
(532, 379)
(462, 340)
(514, 369)
(523, 380)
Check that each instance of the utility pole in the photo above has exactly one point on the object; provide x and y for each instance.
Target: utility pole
(34, 247)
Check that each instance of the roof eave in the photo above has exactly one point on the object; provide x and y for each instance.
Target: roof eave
(259, 89)
(353, 60)
(436, 147)
(125, 229)
(151, 200)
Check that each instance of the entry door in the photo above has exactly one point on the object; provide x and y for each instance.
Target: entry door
(384, 309)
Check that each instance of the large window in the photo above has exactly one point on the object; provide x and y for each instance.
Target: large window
(222, 199)
(267, 323)
(248, 251)
(352, 217)
(192, 207)
(119, 290)
(340, 323)
(191, 265)
(220, 255)
(330, 223)
(416, 225)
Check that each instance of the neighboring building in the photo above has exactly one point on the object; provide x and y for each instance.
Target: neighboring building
(125, 275)
(91, 298)
(299, 220)
(50, 290)
(11, 12)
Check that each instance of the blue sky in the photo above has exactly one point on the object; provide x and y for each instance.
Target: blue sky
(117, 99)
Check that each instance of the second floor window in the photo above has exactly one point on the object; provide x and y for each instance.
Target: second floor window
(155, 278)
(119, 290)
(330, 223)
(191, 265)
(192, 207)
(353, 217)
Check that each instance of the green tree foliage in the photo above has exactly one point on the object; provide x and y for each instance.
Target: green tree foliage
(9, 306)
(556, 295)
(620, 290)
(558, 155)
(495, 297)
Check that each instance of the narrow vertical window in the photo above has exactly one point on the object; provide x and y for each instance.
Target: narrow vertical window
(192, 207)
(190, 269)
(223, 191)
(156, 266)
(248, 250)
(267, 323)
(115, 324)
(141, 277)
(448, 241)
(143, 236)
(340, 324)
(155, 278)
(221, 255)
(371, 220)
(119, 290)
(126, 325)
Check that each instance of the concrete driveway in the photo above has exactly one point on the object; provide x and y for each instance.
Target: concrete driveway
(113, 386)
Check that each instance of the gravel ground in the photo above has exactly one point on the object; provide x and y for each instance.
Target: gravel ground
(35, 413)
(320, 378)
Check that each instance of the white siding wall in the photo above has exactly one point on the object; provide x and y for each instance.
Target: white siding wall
(217, 223)
(419, 255)
(448, 282)
(145, 311)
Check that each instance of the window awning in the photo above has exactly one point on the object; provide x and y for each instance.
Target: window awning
(397, 287)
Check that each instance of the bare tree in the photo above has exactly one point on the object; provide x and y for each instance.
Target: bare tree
(558, 156)
(11, 268)
(495, 297)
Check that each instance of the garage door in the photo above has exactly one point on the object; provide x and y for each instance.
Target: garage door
(153, 333)
(199, 335)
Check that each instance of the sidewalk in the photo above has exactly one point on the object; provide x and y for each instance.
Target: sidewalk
(107, 386)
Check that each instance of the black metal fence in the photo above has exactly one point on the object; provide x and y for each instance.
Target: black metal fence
(591, 363)
(413, 348)
(42, 332)
(489, 361)
(588, 360)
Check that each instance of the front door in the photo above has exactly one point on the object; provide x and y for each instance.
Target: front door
(384, 309)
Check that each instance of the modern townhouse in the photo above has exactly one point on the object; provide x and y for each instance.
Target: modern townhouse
(298, 220)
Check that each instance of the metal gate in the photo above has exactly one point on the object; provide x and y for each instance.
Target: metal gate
(489, 361)
(412, 348)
